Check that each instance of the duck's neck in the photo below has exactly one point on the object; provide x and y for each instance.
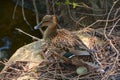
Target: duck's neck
(50, 32)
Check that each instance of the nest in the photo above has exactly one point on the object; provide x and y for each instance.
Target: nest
(53, 67)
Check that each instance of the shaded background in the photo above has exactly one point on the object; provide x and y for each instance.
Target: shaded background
(11, 39)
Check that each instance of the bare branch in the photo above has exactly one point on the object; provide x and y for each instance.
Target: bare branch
(36, 12)
(23, 13)
(13, 17)
(27, 34)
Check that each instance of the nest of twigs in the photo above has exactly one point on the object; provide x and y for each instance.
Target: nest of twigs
(107, 56)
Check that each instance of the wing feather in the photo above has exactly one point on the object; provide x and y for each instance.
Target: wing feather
(66, 40)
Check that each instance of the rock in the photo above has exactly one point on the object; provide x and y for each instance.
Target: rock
(31, 53)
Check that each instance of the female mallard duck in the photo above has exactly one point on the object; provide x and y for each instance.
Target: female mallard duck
(61, 38)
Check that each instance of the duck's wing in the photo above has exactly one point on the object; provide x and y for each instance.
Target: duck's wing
(69, 42)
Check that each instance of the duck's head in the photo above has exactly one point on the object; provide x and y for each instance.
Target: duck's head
(46, 21)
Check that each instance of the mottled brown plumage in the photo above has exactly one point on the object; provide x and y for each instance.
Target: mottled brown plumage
(61, 38)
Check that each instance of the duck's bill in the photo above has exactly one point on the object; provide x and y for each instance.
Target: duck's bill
(38, 26)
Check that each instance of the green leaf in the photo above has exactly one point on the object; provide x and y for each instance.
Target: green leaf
(67, 2)
(74, 4)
